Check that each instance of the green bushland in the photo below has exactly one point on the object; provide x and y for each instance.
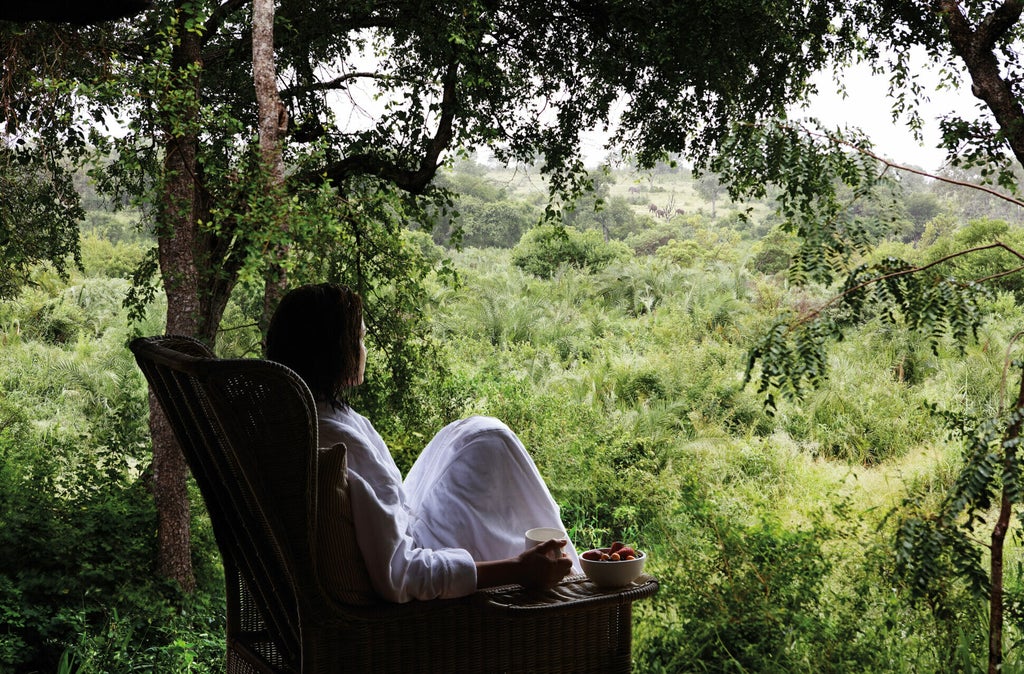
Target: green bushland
(545, 249)
(77, 542)
(622, 373)
(767, 532)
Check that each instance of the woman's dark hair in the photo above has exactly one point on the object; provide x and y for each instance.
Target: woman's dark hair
(316, 331)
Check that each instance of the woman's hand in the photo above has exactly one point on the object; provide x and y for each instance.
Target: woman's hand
(541, 566)
(544, 565)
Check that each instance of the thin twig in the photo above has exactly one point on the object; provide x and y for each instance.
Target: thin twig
(238, 327)
(910, 169)
(339, 82)
(906, 272)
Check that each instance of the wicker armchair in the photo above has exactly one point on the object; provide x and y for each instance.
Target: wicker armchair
(248, 431)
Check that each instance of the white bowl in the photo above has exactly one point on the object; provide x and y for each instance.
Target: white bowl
(614, 573)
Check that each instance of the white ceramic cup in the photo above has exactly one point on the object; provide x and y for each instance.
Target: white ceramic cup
(543, 534)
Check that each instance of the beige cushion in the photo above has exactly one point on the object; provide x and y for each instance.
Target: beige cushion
(339, 564)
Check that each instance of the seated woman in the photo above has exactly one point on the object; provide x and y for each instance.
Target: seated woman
(457, 521)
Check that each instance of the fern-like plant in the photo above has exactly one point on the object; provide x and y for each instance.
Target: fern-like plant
(791, 356)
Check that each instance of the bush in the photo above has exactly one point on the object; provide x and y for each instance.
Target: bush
(684, 252)
(79, 522)
(500, 224)
(773, 253)
(625, 386)
(545, 248)
(739, 599)
(101, 257)
(640, 287)
(78, 587)
(117, 228)
(985, 263)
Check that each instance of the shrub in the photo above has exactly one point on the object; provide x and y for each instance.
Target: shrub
(118, 227)
(845, 425)
(643, 286)
(78, 521)
(683, 252)
(545, 248)
(101, 257)
(500, 224)
(986, 263)
(77, 541)
(773, 253)
(739, 599)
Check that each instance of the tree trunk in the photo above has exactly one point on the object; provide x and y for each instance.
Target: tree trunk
(273, 122)
(177, 235)
(975, 46)
(995, 623)
(170, 493)
(199, 268)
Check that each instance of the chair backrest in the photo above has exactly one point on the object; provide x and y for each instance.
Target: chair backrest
(248, 431)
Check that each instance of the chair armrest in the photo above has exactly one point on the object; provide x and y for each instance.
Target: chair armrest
(569, 594)
(572, 627)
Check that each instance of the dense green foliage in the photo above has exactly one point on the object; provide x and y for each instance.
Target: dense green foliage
(706, 81)
(625, 381)
(711, 83)
(546, 248)
(76, 540)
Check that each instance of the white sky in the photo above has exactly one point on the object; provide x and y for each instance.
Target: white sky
(867, 107)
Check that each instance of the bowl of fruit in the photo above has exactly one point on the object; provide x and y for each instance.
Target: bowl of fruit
(616, 566)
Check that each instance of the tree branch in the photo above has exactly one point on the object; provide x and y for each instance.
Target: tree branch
(976, 49)
(995, 25)
(415, 180)
(337, 83)
(959, 28)
(909, 169)
(810, 315)
(1000, 275)
(220, 15)
(951, 181)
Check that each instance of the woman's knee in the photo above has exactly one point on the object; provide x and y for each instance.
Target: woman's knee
(484, 424)
(488, 437)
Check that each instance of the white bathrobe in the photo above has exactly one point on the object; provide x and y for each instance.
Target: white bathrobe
(471, 496)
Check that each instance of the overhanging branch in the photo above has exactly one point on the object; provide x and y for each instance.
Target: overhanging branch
(337, 83)
(909, 271)
(909, 169)
(994, 26)
(415, 180)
